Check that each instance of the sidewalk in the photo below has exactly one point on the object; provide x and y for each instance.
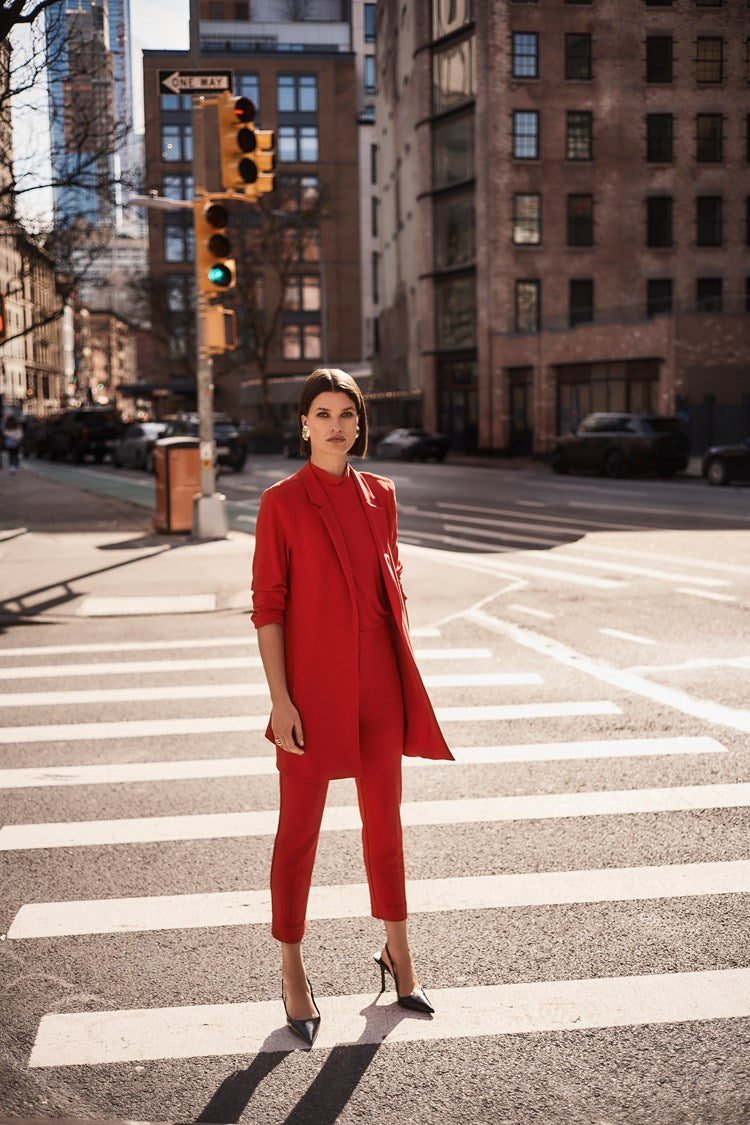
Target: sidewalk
(66, 552)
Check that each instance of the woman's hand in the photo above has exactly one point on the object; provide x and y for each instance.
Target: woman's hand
(286, 725)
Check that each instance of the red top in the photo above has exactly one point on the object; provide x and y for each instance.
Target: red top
(344, 498)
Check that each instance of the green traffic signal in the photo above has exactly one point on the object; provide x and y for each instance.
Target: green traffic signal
(220, 275)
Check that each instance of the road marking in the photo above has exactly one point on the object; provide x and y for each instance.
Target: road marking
(634, 637)
(640, 571)
(644, 511)
(129, 667)
(145, 728)
(546, 519)
(240, 690)
(92, 1038)
(33, 777)
(133, 646)
(530, 610)
(727, 568)
(343, 818)
(531, 503)
(705, 594)
(502, 536)
(139, 605)
(423, 631)
(425, 896)
(589, 581)
(694, 665)
(620, 678)
(550, 540)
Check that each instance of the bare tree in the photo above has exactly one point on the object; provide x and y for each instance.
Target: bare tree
(19, 12)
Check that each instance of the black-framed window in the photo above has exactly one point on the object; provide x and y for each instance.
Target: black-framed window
(526, 134)
(301, 341)
(374, 216)
(580, 220)
(709, 3)
(369, 74)
(659, 52)
(578, 134)
(455, 231)
(248, 86)
(747, 220)
(369, 23)
(578, 1)
(709, 59)
(172, 102)
(297, 93)
(659, 220)
(747, 59)
(659, 138)
(527, 305)
(580, 301)
(658, 296)
(177, 185)
(453, 151)
(179, 240)
(303, 294)
(708, 220)
(375, 277)
(578, 55)
(297, 144)
(747, 137)
(747, 294)
(709, 138)
(658, 3)
(708, 294)
(527, 218)
(525, 62)
(177, 142)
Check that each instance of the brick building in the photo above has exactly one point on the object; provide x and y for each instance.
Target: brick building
(300, 71)
(565, 201)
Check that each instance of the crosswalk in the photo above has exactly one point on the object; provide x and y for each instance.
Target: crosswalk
(74, 794)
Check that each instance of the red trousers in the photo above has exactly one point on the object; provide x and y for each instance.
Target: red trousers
(381, 736)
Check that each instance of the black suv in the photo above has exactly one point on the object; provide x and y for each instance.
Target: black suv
(231, 445)
(75, 435)
(616, 444)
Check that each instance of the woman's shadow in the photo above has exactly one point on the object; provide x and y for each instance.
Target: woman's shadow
(332, 1087)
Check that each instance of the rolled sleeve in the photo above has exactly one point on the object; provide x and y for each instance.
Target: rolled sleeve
(270, 563)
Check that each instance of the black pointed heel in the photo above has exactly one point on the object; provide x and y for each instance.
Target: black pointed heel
(416, 1001)
(306, 1029)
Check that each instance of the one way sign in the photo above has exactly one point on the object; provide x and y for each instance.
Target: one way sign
(194, 81)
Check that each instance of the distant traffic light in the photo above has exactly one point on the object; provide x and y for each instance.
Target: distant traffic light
(247, 154)
(213, 251)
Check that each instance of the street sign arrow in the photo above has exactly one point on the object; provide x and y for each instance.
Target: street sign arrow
(194, 81)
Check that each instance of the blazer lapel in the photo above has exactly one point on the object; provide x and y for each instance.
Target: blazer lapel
(378, 522)
(317, 496)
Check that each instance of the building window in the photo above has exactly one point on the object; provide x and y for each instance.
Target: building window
(173, 102)
(177, 186)
(454, 75)
(658, 3)
(708, 3)
(709, 60)
(659, 131)
(297, 144)
(248, 86)
(747, 60)
(708, 294)
(577, 55)
(449, 15)
(453, 151)
(580, 220)
(455, 232)
(747, 294)
(179, 241)
(369, 74)
(525, 54)
(528, 296)
(375, 265)
(303, 294)
(578, 130)
(658, 58)
(298, 193)
(525, 134)
(580, 301)
(301, 341)
(527, 219)
(577, 1)
(659, 296)
(369, 23)
(297, 93)
(177, 143)
(659, 220)
(455, 306)
(708, 220)
(747, 220)
(373, 164)
(709, 130)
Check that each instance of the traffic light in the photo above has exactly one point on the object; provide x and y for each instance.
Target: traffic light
(216, 267)
(220, 330)
(248, 158)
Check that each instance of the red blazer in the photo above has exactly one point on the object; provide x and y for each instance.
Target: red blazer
(302, 578)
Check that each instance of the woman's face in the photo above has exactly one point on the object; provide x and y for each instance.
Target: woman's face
(333, 423)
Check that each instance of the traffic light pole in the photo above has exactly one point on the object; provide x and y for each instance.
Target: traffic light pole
(209, 507)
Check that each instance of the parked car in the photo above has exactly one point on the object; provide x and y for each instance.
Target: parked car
(231, 445)
(413, 445)
(136, 446)
(725, 463)
(75, 435)
(618, 444)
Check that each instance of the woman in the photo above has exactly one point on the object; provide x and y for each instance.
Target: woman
(347, 698)
(13, 440)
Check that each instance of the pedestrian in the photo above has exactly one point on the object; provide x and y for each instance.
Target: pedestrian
(346, 696)
(12, 440)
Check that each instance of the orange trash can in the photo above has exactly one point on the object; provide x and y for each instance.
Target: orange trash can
(178, 479)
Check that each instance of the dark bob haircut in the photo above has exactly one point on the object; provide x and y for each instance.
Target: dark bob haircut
(326, 379)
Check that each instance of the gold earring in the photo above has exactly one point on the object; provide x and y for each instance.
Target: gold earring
(305, 432)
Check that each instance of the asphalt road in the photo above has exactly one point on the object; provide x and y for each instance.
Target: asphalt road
(579, 878)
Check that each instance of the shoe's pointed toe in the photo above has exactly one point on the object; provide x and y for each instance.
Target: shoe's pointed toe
(306, 1029)
(416, 1001)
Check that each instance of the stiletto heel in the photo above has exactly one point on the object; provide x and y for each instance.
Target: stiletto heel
(415, 1001)
(306, 1029)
